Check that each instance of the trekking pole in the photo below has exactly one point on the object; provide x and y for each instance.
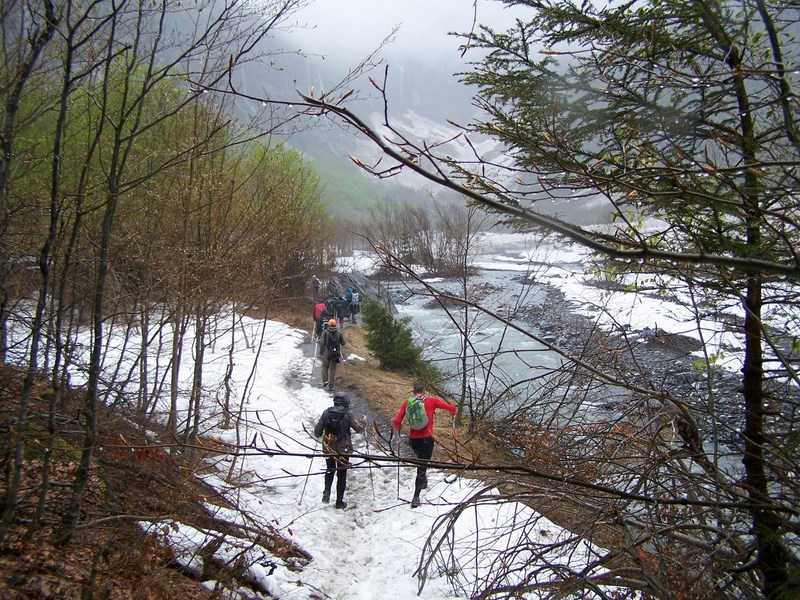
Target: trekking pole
(310, 462)
(455, 440)
(398, 465)
(369, 462)
(314, 355)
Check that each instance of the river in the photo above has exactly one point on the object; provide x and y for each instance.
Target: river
(506, 369)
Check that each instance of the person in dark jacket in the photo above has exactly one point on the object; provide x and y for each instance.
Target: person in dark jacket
(355, 306)
(342, 310)
(421, 440)
(331, 338)
(335, 425)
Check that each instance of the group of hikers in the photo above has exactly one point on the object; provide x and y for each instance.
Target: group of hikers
(336, 307)
(337, 422)
(329, 316)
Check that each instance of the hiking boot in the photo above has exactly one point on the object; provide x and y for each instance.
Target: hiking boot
(415, 502)
(326, 497)
(324, 384)
(340, 504)
(331, 388)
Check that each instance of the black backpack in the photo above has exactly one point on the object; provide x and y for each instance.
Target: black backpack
(324, 318)
(335, 418)
(330, 306)
(334, 346)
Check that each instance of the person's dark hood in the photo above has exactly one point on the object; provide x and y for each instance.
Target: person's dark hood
(341, 399)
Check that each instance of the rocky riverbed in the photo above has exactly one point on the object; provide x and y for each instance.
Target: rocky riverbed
(648, 358)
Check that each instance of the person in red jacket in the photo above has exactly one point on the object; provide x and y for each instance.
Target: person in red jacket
(421, 440)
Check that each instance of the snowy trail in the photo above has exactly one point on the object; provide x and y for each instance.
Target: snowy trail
(345, 563)
(373, 548)
(370, 550)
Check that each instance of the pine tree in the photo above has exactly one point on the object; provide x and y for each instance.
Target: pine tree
(390, 340)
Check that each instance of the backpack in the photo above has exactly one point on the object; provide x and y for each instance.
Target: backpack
(330, 306)
(415, 411)
(334, 346)
(355, 303)
(335, 418)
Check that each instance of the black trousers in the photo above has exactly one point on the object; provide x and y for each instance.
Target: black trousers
(423, 449)
(336, 465)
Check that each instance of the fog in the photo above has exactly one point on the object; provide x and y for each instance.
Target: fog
(348, 30)
(320, 44)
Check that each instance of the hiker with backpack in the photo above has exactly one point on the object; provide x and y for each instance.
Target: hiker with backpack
(355, 306)
(331, 304)
(324, 316)
(419, 410)
(335, 425)
(342, 310)
(319, 309)
(330, 349)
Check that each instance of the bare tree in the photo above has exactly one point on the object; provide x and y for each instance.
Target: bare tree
(27, 29)
(141, 50)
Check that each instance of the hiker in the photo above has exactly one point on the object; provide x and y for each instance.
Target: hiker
(319, 308)
(355, 306)
(313, 287)
(330, 349)
(331, 304)
(326, 315)
(342, 310)
(420, 436)
(348, 295)
(335, 423)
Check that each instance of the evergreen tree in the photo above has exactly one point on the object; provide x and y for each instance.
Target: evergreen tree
(681, 115)
(389, 339)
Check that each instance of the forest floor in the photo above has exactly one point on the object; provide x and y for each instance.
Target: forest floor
(108, 555)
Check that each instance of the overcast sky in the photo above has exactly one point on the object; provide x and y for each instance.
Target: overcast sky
(353, 28)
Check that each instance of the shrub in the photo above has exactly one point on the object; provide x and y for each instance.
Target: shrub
(428, 373)
(390, 339)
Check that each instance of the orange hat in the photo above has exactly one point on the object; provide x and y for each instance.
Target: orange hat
(332, 323)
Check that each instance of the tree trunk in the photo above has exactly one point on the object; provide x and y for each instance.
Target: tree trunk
(196, 397)
(37, 39)
(95, 364)
(771, 554)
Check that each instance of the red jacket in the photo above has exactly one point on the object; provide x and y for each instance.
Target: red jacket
(318, 308)
(431, 404)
